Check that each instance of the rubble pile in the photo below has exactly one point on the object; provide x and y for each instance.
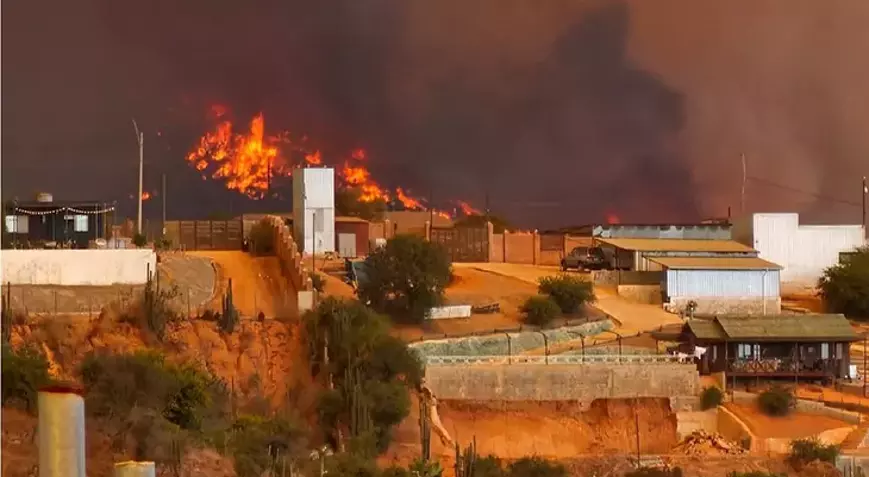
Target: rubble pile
(705, 443)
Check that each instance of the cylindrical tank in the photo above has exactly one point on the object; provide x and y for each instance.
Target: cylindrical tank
(61, 432)
(135, 469)
(44, 197)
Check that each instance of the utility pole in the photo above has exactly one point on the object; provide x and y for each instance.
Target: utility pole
(140, 137)
(744, 177)
(164, 204)
(864, 194)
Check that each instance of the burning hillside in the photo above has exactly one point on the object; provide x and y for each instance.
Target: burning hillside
(248, 160)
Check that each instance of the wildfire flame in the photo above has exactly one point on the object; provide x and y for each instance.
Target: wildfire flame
(467, 209)
(248, 160)
(612, 218)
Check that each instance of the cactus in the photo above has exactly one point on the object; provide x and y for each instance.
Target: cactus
(7, 313)
(360, 414)
(466, 461)
(229, 314)
(424, 427)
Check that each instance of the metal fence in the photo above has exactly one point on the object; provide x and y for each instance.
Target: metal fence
(558, 359)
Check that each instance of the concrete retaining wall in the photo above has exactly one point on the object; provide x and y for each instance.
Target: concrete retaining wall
(583, 383)
(77, 267)
(726, 306)
(693, 421)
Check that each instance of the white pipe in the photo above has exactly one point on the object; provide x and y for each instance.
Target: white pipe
(61, 430)
(135, 469)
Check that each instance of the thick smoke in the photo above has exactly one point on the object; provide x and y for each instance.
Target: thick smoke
(558, 111)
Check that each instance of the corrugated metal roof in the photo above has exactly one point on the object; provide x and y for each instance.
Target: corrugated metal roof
(788, 327)
(706, 329)
(676, 245)
(715, 263)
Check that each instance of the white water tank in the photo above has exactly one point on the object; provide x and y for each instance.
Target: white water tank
(44, 197)
(61, 432)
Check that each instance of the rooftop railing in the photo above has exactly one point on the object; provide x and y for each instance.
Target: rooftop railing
(557, 359)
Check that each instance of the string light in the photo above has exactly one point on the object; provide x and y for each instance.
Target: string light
(64, 209)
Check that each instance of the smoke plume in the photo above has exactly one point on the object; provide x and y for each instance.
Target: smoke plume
(558, 112)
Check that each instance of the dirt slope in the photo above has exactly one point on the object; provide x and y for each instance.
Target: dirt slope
(257, 283)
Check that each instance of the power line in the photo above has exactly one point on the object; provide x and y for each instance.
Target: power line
(804, 192)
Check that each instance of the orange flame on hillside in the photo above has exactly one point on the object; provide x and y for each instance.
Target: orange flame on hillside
(467, 209)
(249, 159)
(407, 201)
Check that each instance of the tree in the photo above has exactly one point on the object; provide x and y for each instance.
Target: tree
(24, 371)
(371, 371)
(348, 201)
(406, 278)
(845, 286)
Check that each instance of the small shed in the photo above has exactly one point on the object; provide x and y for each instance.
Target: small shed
(56, 224)
(351, 236)
(635, 253)
(812, 346)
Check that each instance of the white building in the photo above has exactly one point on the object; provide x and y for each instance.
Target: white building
(803, 251)
(314, 209)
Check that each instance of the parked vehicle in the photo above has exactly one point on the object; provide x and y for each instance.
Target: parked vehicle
(585, 258)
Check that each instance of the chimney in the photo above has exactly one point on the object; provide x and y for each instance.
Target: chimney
(135, 469)
(61, 432)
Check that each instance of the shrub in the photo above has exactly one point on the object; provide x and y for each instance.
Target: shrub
(569, 292)
(711, 397)
(756, 473)
(777, 401)
(318, 282)
(24, 371)
(259, 443)
(405, 278)
(540, 310)
(535, 467)
(845, 286)
(655, 472)
(805, 451)
(371, 371)
(152, 311)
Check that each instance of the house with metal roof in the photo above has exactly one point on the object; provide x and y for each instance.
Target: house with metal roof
(710, 277)
(811, 346)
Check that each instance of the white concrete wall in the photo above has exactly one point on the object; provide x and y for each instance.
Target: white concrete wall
(76, 267)
(803, 250)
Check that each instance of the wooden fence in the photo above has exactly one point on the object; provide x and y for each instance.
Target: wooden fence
(205, 234)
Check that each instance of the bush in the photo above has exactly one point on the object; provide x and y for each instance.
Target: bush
(24, 371)
(845, 286)
(153, 309)
(655, 472)
(370, 369)
(805, 451)
(405, 278)
(711, 397)
(540, 310)
(756, 473)
(777, 401)
(569, 292)
(535, 467)
(260, 444)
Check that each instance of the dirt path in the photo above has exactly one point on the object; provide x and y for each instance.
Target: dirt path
(257, 283)
(794, 426)
(632, 318)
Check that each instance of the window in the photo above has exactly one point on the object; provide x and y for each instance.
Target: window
(747, 350)
(79, 222)
(825, 350)
(16, 224)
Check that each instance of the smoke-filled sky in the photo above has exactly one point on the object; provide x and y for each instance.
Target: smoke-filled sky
(562, 111)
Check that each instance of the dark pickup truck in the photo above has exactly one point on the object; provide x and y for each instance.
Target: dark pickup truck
(586, 258)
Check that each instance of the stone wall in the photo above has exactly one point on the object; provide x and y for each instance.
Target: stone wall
(626, 277)
(77, 267)
(725, 306)
(576, 382)
(645, 294)
(692, 421)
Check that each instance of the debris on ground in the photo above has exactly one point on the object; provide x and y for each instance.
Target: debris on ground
(485, 309)
(706, 443)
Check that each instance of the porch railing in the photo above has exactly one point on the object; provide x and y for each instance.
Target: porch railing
(781, 365)
(557, 359)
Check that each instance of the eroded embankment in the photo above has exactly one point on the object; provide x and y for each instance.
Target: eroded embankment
(548, 429)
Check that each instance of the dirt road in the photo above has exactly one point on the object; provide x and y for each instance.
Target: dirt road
(257, 284)
(632, 318)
